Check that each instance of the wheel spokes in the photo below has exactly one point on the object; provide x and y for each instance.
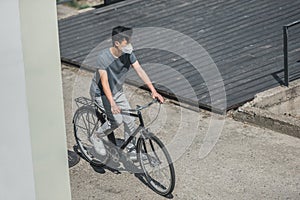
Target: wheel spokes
(159, 175)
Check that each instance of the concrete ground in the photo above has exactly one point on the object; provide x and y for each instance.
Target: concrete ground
(289, 108)
(247, 162)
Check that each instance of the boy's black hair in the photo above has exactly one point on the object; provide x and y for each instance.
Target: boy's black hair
(120, 33)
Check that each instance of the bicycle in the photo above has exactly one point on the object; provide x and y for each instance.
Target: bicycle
(153, 157)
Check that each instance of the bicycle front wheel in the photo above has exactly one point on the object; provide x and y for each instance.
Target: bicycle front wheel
(86, 120)
(156, 164)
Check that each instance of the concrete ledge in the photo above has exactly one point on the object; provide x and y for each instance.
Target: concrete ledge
(263, 118)
(277, 95)
(256, 111)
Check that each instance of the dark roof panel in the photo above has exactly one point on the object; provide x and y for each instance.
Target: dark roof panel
(244, 39)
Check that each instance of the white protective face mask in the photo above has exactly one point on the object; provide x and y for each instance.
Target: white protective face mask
(127, 49)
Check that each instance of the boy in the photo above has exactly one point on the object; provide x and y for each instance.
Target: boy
(112, 65)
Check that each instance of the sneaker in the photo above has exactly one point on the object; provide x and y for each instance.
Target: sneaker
(133, 155)
(98, 145)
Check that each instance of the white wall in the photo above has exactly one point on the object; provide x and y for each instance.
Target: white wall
(16, 168)
(33, 140)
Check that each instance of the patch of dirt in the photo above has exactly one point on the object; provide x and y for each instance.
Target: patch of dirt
(65, 11)
(78, 6)
(91, 2)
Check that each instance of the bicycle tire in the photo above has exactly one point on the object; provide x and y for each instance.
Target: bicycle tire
(142, 148)
(85, 121)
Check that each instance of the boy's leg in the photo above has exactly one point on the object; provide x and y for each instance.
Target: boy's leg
(129, 124)
(94, 138)
(105, 129)
(114, 120)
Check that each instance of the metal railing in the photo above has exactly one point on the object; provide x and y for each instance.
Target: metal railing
(286, 51)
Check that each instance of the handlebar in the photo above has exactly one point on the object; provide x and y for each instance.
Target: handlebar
(139, 108)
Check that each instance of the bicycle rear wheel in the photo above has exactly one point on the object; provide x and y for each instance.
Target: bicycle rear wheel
(86, 120)
(156, 164)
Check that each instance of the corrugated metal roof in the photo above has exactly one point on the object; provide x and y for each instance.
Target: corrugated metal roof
(244, 39)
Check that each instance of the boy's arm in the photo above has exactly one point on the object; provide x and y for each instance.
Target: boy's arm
(106, 89)
(142, 74)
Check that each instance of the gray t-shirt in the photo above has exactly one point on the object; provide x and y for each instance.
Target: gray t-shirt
(116, 69)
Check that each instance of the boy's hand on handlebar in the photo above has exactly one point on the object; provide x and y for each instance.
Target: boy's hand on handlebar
(156, 95)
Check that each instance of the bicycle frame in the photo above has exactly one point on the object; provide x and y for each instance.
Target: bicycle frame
(139, 128)
(130, 112)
